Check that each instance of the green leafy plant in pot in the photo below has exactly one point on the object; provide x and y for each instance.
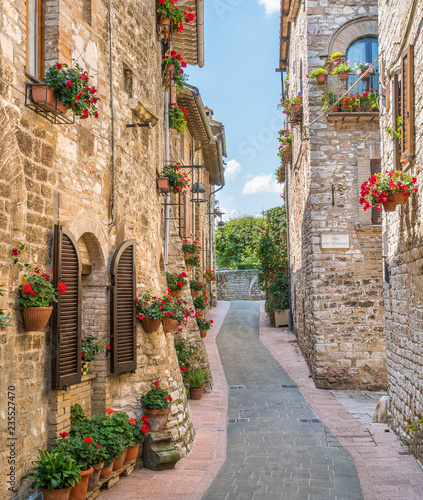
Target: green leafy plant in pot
(200, 302)
(90, 347)
(156, 404)
(55, 473)
(149, 312)
(140, 429)
(197, 379)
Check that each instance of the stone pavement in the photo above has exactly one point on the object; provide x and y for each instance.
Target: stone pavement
(193, 474)
(387, 471)
(277, 448)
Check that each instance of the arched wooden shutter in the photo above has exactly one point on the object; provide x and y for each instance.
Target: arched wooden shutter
(123, 311)
(66, 335)
(407, 103)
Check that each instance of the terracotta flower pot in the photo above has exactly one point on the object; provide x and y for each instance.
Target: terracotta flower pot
(84, 368)
(198, 310)
(194, 293)
(107, 470)
(79, 491)
(36, 318)
(132, 454)
(399, 199)
(207, 277)
(189, 266)
(169, 325)
(196, 393)
(187, 255)
(150, 325)
(177, 293)
(163, 184)
(95, 476)
(336, 61)
(295, 113)
(165, 27)
(43, 95)
(119, 461)
(321, 78)
(203, 333)
(366, 76)
(286, 133)
(343, 76)
(390, 205)
(60, 494)
(158, 419)
(169, 73)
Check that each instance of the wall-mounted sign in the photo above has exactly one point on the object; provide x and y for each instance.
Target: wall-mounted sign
(332, 241)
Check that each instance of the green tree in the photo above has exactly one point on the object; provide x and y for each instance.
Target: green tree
(238, 242)
(273, 261)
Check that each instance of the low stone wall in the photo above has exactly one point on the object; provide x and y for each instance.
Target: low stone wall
(238, 285)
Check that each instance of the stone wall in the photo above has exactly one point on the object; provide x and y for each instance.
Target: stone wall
(238, 285)
(399, 26)
(337, 297)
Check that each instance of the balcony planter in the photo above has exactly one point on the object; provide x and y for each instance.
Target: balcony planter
(43, 95)
(150, 325)
(157, 419)
(36, 318)
(169, 325)
(163, 185)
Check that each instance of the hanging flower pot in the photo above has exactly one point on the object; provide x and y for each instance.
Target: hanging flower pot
(169, 325)
(132, 454)
(107, 470)
(390, 205)
(177, 293)
(118, 464)
(203, 333)
(149, 324)
(44, 95)
(366, 76)
(189, 266)
(36, 318)
(163, 185)
(194, 293)
(169, 74)
(165, 24)
(399, 199)
(321, 78)
(343, 76)
(187, 255)
(79, 491)
(84, 368)
(286, 132)
(95, 476)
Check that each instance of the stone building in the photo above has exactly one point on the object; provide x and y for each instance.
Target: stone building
(401, 49)
(335, 249)
(88, 188)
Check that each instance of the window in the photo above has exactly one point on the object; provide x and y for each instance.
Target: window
(35, 38)
(128, 80)
(364, 50)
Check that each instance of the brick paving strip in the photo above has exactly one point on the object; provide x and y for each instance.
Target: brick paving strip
(194, 473)
(276, 446)
(385, 470)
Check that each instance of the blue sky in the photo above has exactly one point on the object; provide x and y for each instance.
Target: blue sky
(240, 84)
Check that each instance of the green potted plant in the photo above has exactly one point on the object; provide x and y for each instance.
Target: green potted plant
(203, 324)
(200, 302)
(66, 88)
(295, 108)
(175, 312)
(387, 189)
(329, 100)
(336, 58)
(139, 428)
(196, 286)
(363, 69)
(178, 117)
(171, 18)
(178, 181)
(318, 74)
(149, 312)
(172, 67)
(343, 70)
(210, 275)
(156, 404)
(185, 353)
(37, 292)
(55, 474)
(90, 347)
(176, 282)
(192, 261)
(197, 379)
(190, 248)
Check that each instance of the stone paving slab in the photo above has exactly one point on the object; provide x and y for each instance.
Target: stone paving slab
(385, 473)
(280, 451)
(194, 473)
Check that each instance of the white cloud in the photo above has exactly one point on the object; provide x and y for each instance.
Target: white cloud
(233, 168)
(261, 184)
(230, 198)
(270, 6)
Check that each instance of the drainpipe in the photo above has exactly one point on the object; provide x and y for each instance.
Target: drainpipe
(112, 199)
(167, 200)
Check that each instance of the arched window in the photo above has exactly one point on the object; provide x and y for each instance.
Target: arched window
(364, 50)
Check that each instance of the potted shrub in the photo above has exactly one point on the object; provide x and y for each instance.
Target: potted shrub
(36, 295)
(387, 189)
(343, 70)
(197, 379)
(176, 282)
(90, 347)
(178, 117)
(139, 428)
(171, 18)
(192, 261)
(67, 88)
(318, 74)
(196, 286)
(174, 311)
(362, 69)
(149, 312)
(172, 71)
(55, 474)
(336, 58)
(203, 324)
(200, 302)
(156, 404)
(179, 182)
(190, 248)
(210, 275)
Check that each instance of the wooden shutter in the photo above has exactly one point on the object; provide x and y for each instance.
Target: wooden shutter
(388, 96)
(375, 167)
(395, 114)
(123, 311)
(407, 103)
(66, 335)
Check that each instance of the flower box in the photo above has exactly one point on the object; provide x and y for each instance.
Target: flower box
(43, 95)
(282, 317)
(163, 185)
